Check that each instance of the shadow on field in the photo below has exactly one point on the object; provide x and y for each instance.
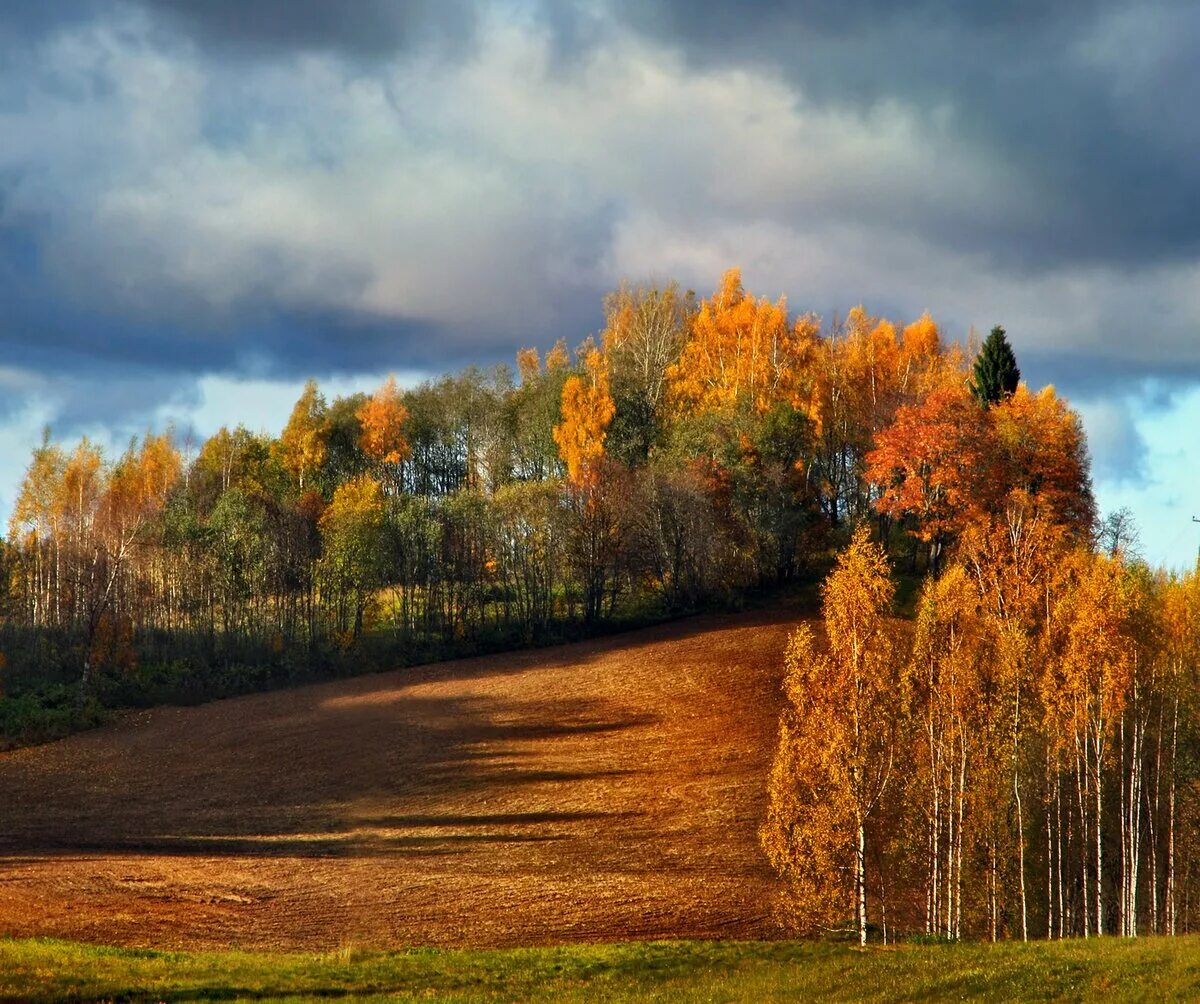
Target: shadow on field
(310, 776)
(612, 788)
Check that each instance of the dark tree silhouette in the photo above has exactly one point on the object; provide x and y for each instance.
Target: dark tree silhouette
(995, 373)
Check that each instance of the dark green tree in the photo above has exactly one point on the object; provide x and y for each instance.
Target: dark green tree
(995, 373)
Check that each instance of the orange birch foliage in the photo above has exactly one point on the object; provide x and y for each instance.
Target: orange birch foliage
(933, 463)
(587, 410)
(876, 369)
(1097, 661)
(138, 488)
(1044, 450)
(382, 417)
(742, 350)
(922, 339)
(928, 362)
(836, 744)
(946, 681)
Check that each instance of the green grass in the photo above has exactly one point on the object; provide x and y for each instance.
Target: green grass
(1103, 969)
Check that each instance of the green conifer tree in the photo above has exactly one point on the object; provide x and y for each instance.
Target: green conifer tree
(995, 373)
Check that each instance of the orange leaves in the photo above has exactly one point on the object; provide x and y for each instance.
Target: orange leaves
(836, 742)
(587, 410)
(933, 462)
(382, 417)
(857, 596)
(1044, 451)
(742, 350)
(40, 498)
(948, 463)
(141, 480)
(1091, 647)
(922, 339)
(158, 468)
(557, 358)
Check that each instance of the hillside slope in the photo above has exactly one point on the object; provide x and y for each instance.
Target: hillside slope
(605, 790)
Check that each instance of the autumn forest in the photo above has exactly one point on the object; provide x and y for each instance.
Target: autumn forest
(990, 729)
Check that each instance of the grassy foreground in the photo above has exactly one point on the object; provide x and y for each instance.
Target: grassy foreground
(1147, 969)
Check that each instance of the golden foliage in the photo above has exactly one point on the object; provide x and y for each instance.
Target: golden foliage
(587, 410)
(529, 365)
(382, 417)
(303, 442)
(740, 349)
(836, 742)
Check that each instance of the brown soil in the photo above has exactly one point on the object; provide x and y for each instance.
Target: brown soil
(599, 791)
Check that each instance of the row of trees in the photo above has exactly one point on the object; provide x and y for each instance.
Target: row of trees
(693, 450)
(1019, 760)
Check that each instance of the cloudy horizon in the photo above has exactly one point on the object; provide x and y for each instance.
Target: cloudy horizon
(202, 203)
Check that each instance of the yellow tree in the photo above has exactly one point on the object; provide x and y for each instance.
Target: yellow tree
(837, 742)
(353, 556)
(742, 350)
(303, 442)
(35, 523)
(1179, 614)
(1097, 668)
(1011, 555)
(587, 410)
(382, 417)
(1043, 451)
(945, 683)
(136, 491)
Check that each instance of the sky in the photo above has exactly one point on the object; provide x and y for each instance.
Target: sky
(204, 202)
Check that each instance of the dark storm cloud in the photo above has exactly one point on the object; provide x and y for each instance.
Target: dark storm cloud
(1086, 108)
(356, 28)
(188, 192)
(359, 28)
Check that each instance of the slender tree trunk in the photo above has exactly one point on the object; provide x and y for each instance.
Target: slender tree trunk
(1016, 783)
(958, 851)
(1170, 897)
(1081, 783)
(1152, 815)
(1059, 849)
(1049, 854)
(860, 884)
(1123, 784)
(1021, 858)
(1099, 750)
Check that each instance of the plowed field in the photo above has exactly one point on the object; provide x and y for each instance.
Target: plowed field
(605, 790)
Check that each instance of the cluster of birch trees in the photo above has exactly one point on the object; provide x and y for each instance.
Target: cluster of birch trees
(1018, 761)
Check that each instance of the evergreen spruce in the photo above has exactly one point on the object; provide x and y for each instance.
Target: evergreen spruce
(995, 374)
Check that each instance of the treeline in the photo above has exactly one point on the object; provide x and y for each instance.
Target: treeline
(693, 451)
(1021, 759)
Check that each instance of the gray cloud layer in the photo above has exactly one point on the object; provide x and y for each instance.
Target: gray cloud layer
(193, 186)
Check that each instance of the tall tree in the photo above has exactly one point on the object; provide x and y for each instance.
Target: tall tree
(587, 410)
(302, 444)
(995, 373)
(742, 351)
(382, 417)
(837, 740)
(933, 464)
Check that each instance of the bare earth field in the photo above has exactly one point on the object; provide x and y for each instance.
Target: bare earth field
(591, 792)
